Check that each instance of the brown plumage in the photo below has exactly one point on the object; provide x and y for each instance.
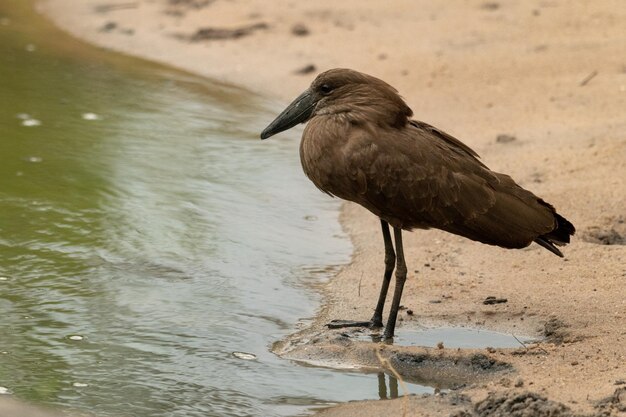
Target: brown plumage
(361, 145)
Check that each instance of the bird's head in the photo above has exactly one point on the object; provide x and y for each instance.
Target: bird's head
(360, 97)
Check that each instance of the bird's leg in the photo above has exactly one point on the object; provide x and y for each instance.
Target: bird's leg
(400, 279)
(390, 260)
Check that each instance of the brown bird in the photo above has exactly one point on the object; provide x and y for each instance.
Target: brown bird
(361, 145)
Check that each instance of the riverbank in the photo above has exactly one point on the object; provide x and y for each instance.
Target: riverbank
(549, 75)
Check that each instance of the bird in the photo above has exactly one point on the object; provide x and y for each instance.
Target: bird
(361, 144)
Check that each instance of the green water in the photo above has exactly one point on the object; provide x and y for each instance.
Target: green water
(146, 234)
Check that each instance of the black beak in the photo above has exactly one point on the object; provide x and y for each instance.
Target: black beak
(297, 112)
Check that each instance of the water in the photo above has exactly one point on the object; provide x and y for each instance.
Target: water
(152, 248)
(146, 234)
(459, 338)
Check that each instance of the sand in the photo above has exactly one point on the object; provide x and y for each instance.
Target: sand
(549, 73)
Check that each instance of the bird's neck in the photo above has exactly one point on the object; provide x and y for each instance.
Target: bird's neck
(360, 109)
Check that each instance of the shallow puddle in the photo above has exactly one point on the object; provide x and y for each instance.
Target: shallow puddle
(454, 337)
(465, 360)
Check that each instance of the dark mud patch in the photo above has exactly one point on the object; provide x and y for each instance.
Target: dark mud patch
(108, 27)
(300, 29)
(611, 231)
(441, 368)
(490, 5)
(505, 138)
(110, 7)
(307, 69)
(193, 4)
(555, 331)
(529, 404)
(179, 8)
(525, 404)
(605, 237)
(213, 34)
(113, 26)
(614, 404)
(445, 371)
(494, 300)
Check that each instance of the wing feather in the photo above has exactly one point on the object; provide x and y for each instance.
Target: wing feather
(421, 177)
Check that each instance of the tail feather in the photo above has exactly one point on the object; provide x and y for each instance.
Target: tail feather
(548, 245)
(559, 236)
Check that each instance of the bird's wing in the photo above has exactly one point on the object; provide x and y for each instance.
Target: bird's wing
(451, 140)
(415, 175)
(422, 177)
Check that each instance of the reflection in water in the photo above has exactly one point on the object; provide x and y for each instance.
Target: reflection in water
(382, 386)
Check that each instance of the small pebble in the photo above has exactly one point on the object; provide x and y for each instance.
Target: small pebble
(244, 356)
(307, 69)
(31, 122)
(300, 29)
(519, 383)
(493, 300)
(90, 116)
(490, 5)
(440, 345)
(504, 138)
(109, 26)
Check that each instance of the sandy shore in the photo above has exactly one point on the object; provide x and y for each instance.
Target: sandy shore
(552, 74)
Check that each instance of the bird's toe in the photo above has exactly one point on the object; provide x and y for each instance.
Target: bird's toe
(338, 324)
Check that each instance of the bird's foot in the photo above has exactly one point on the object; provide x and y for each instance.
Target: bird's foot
(370, 324)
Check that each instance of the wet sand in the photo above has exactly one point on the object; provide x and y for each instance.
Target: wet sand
(549, 74)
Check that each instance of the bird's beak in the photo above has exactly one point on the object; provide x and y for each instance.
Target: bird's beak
(299, 111)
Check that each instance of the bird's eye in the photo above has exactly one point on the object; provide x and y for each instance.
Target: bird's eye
(326, 89)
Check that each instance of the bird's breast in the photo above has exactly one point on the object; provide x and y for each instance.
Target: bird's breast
(322, 154)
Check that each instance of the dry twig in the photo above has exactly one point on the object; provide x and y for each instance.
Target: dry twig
(588, 78)
(387, 365)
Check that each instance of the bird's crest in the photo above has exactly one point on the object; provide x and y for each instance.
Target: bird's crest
(361, 96)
